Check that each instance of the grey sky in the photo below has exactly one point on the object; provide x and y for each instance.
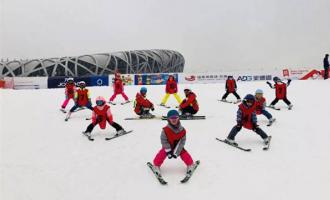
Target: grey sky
(211, 34)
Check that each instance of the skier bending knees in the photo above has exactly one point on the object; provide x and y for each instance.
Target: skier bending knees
(173, 139)
(100, 116)
(246, 117)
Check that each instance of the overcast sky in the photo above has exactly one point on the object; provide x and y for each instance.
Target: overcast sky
(211, 34)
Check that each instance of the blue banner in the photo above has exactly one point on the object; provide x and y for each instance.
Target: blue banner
(59, 82)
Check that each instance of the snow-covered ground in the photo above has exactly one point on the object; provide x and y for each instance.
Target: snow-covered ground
(44, 157)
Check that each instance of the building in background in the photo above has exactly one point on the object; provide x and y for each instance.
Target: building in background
(125, 62)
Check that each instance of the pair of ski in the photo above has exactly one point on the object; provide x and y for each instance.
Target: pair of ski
(271, 107)
(90, 138)
(233, 102)
(143, 118)
(161, 179)
(78, 109)
(189, 117)
(194, 117)
(122, 103)
(265, 147)
(165, 106)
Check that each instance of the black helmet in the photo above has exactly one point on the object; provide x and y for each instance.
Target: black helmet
(249, 98)
(276, 79)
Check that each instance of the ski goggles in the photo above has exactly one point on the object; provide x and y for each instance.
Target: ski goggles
(175, 117)
(100, 102)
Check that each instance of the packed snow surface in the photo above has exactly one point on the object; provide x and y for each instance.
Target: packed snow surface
(43, 157)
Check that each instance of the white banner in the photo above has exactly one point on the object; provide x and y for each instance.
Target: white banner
(222, 77)
(30, 82)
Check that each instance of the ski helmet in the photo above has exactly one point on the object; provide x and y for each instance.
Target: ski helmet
(172, 113)
(100, 101)
(249, 98)
(259, 91)
(143, 90)
(82, 84)
(69, 80)
(276, 79)
(187, 90)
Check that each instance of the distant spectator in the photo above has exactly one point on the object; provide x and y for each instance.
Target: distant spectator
(326, 66)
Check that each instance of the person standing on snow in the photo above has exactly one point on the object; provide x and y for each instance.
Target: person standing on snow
(118, 88)
(326, 66)
(280, 92)
(246, 117)
(100, 116)
(171, 88)
(231, 88)
(173, 139)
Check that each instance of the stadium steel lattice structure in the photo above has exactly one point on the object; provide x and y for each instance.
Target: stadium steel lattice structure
(125, 62)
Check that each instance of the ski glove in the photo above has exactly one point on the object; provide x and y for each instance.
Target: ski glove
(99, 119)
(170, 155)
(152, 108)
(289, 81)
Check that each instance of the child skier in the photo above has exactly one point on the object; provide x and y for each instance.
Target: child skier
(280, 92)
(100, 116)
(82, 99)
(246, 117)
(171, 88)
(142, 105)
(70, 89)
(261, 106)
(189, 106)
(231, 88)
(173, 139)
(118, 88)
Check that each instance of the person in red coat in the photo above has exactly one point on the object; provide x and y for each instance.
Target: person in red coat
(118, 88)
(171, 88)
(100, 116)
(82, 99)
(280, 92)
(231, 88)
(261, 106)
(189, 106)
(142, 105)
(70, 89)
(246, 117)
(173, 139)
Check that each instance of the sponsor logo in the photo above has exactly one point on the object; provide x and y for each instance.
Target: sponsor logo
(190, 78)
(99, 82)
(244, 78)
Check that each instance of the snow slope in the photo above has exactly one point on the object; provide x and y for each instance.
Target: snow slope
(43, 157)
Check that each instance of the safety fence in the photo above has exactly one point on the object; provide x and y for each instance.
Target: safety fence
(161, 78)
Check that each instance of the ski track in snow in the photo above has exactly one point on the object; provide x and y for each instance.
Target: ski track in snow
(44, 157)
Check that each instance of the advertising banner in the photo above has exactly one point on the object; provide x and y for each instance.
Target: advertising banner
(128, 79)
(303, 74)
(59, 82)
(30, 82)
(152, 79)
(222, 77)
